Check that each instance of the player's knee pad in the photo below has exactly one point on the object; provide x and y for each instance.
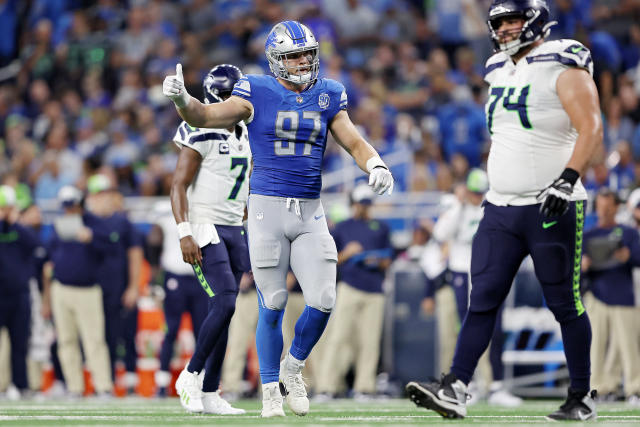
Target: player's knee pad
(323, 298)
(551, 262)
(225, 304)
(564, 312)
(486, 295)
(273, 300)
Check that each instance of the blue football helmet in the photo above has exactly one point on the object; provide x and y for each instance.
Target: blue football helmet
(219, 82)
(287, 38)
(536, 22)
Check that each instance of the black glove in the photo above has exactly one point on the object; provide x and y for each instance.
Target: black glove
(556, 197)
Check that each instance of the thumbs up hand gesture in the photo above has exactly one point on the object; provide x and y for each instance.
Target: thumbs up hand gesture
(173, 88)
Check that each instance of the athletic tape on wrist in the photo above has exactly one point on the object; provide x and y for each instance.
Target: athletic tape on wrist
(184, 230)
(374, 162)
(183, 100)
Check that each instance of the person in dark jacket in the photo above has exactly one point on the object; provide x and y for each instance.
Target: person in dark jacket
(119, 274)
(72, 293)
(17, 243)
(612, 250)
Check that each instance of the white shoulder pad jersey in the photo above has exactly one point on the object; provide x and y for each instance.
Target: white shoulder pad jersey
(457, 226)
(532, 137)
(219, 191)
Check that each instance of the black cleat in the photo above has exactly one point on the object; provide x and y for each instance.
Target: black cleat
(579, 406)
(448, 396)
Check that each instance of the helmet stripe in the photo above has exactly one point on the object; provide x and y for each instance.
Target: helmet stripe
(296, 32)
(302, 33)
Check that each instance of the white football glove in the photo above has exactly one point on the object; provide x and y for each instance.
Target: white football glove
(381, 180)
(173, 88)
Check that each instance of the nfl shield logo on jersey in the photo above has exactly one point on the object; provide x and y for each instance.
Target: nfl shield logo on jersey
(223, 148)
(323, 101)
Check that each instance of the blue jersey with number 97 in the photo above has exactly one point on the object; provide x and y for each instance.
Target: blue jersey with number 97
(288, 134)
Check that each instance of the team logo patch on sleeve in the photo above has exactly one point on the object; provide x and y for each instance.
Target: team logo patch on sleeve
(323, 101)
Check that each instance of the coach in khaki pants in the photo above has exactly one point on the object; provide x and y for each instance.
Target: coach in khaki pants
(611, 251)
(364, 253)
(73, 295)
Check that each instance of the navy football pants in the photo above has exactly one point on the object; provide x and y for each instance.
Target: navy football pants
(222, 266)
(460, 285)
(507, 234)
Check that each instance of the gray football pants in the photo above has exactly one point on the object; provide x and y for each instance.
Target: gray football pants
(291, 232)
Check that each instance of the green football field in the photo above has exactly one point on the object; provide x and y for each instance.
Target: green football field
(134, 411)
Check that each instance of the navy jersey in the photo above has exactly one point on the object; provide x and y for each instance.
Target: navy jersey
(76, 263)
(610, 280)
(361, 270)
(17, 246)
(288, 134)
(114, 271)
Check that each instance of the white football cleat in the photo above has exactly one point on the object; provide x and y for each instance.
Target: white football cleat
(271, 401)
(213, 403)
(189, 391)
(503, 397)
(293, 388)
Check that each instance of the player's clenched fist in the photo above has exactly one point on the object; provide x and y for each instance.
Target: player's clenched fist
(173, 88)
(380, 180)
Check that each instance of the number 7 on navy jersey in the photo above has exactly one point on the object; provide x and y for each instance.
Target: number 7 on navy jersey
(289, 135)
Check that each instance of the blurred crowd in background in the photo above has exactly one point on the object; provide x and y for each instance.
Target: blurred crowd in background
(80, 83)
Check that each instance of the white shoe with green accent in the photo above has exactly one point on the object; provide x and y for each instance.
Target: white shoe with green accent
(189, 391)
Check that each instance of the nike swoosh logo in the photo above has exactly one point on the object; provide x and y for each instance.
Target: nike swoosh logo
(576, 49)
(546, 225)
(583, 415)
(318, 217)
(446, 398)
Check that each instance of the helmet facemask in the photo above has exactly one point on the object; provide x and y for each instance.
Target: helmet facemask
(533, 29)
(301, 74)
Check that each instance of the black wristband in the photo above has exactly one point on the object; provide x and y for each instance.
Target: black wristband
(570, 175)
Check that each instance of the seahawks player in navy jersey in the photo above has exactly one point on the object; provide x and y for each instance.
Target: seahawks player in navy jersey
(288, 116)
(543, 115)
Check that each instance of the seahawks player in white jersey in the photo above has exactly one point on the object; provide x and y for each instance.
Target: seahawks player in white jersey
(208, 197)
(544, 118)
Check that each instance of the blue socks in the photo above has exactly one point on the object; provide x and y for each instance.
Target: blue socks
(308, 331)
(269, 343)
(309, 328)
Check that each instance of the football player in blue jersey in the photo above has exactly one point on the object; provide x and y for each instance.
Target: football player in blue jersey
(288, 117)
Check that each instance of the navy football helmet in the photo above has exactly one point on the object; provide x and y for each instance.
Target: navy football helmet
(289, 38)
(219, 82)
(536, 22)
